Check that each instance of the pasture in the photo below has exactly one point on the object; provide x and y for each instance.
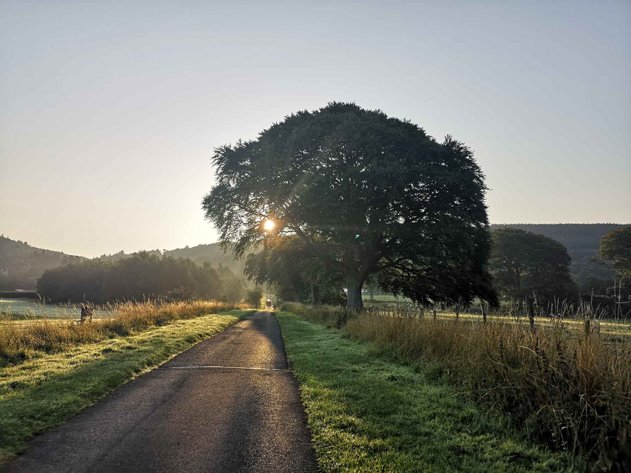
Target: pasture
(22, 337)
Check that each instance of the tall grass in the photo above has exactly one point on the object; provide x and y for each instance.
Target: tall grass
(329, 315)
(569, 387)
(20, 340)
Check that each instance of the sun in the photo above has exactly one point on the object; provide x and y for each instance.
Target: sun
(269, 225)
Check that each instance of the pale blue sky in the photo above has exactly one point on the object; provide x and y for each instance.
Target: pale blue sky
(109, 111)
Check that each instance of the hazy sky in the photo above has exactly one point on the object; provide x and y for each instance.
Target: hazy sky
(109, 111)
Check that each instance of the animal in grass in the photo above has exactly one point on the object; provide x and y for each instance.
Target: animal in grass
(86, 312)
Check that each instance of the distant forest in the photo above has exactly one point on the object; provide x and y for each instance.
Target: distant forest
(139, 277)
(21, 265)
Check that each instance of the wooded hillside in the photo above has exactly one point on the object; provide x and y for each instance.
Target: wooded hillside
(21, 264)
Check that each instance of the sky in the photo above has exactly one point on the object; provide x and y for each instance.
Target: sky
(110, 111)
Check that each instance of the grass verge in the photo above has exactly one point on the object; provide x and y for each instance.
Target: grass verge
(568, 387)
(20, 341)
(44, 391)
(368, 413)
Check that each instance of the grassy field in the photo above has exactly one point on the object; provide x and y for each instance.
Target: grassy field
(28, 309)
(23, 339)
(572, 321)
(368, 413)
(44, 390)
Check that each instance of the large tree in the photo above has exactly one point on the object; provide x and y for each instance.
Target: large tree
(366, 194)
(525, 264)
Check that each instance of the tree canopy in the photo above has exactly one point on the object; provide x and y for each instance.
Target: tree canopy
(525, 264)
(365, 194)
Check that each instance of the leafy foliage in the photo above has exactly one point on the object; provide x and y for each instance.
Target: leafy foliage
(526, 264)
(582, 242)
(365, 194)
(139, 277)
(296, 273)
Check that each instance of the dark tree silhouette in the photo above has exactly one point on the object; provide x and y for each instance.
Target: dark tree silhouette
(615, 247)
(525, 264)
(138, 277)
(366, 194)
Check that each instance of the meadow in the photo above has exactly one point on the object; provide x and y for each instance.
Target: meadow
(22, 338)
(566, 382)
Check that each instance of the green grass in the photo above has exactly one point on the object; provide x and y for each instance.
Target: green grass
(368, 413)
(44, 391)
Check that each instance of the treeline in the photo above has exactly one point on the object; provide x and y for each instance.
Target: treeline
(530, 273)
(138, 277)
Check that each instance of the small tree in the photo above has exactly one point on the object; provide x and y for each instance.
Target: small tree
(366, 194)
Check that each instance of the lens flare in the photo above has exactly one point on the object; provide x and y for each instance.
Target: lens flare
(269, 225)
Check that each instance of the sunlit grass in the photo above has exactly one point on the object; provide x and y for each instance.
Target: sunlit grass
(21, 340)
(368, 413)
(566, 385)
(42, 392)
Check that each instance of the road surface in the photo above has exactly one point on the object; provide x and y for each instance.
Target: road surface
(228, 404)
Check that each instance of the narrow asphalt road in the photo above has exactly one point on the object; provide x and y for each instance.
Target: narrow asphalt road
(226, 405)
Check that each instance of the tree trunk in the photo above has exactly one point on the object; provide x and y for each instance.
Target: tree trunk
(354, 295)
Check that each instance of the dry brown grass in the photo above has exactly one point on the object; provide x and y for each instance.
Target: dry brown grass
(18, 341)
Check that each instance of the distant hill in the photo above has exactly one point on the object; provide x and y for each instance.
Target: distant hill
(200, 254)
(21, 264)
(211, 253)
(581, 241)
